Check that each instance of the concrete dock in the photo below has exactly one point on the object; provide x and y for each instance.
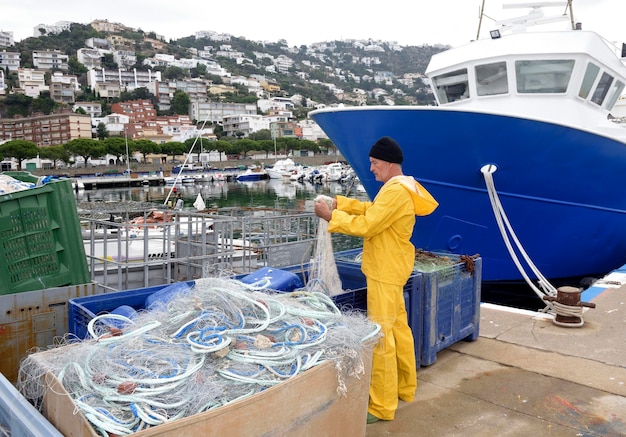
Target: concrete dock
(526, 376)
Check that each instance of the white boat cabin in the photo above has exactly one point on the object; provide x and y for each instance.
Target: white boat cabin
(539, 73)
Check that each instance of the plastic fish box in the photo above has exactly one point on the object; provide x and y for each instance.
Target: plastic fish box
(40, 241)
(83, 309)
(451, 307)
(33, 319)
(18, 418)
(354, 298)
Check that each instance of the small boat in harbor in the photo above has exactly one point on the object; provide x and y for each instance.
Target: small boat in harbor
(525, 116)
(282, 168)
(252, 174)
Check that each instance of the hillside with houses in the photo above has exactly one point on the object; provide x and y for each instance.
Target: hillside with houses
(103, 79)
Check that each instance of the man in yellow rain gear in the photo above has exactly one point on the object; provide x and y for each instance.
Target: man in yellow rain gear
(386, 225)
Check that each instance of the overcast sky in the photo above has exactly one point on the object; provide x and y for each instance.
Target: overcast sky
(452, 22)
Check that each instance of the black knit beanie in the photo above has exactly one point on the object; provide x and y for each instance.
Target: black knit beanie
(386, 149)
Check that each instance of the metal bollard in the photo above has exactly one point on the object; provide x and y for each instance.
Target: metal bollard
(568, 306)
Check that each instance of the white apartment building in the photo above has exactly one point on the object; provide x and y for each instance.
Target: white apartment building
(275, 103)
(31, 82)
(94, 109)
(50, 59)
(6, 39)
(9, 60)
(124, 58)
(196, 89)
(115, 123)
(311, 130)
(126, 79)
(213, 36)
(3, 85)
(216, 111)
(45, 29)
(244, 123)
(107, 90)
(164, 91)
(63, 88)
(91, 58)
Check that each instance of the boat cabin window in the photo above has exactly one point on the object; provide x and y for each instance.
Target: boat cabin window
(451, 86)
(602, 88)
(543, 76)
(607, 91)
(588, 80)
(616, 91)
(491, 79)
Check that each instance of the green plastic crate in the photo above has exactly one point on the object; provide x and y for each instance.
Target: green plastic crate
(40, 240)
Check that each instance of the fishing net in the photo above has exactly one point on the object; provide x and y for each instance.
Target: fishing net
(323, 272)
(199, 348)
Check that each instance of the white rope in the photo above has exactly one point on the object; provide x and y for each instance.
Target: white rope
(507, 232)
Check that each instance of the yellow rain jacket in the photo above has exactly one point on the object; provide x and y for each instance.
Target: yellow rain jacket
(386, 225)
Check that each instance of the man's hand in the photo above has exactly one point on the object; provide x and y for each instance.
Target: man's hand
(322, 210)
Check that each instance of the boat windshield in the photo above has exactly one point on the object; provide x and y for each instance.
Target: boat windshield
(491, 79)
(543, 76)
(537, 76)
(451, 86)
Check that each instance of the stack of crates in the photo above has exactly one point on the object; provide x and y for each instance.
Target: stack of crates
(42, 265)
(40, 240)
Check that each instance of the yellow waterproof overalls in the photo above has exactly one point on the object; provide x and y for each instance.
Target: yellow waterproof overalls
(386, 224)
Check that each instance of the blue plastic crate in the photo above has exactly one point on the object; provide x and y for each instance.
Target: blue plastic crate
(451, 307)
(353, 298)
(83, 309)
(18, 418)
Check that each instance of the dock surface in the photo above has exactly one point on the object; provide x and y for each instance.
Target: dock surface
(525, 376)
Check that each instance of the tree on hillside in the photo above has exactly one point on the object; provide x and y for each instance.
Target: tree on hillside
(117, 147)
(266, 146)
(173, 148)
(19, 150)
(17, 104)
(180, 103)
(85, 147)
(101, 131)
(327, 144)
(55, 154)
(146, 147)
(262, 134)
(245, 146)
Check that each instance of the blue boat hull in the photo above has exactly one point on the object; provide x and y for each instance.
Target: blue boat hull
(562, 189)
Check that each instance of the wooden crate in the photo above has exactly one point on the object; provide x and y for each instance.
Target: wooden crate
(306, 405)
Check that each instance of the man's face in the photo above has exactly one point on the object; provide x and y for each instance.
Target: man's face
(380, 169)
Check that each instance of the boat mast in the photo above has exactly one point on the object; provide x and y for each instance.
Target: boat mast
(571, 13)
(480, 18)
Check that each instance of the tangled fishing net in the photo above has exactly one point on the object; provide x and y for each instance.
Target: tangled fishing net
(195, 349)
(323, 268)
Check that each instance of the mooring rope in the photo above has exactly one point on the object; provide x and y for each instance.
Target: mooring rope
(508, 234)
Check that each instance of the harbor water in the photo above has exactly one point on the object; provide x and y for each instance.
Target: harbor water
(276, 194)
